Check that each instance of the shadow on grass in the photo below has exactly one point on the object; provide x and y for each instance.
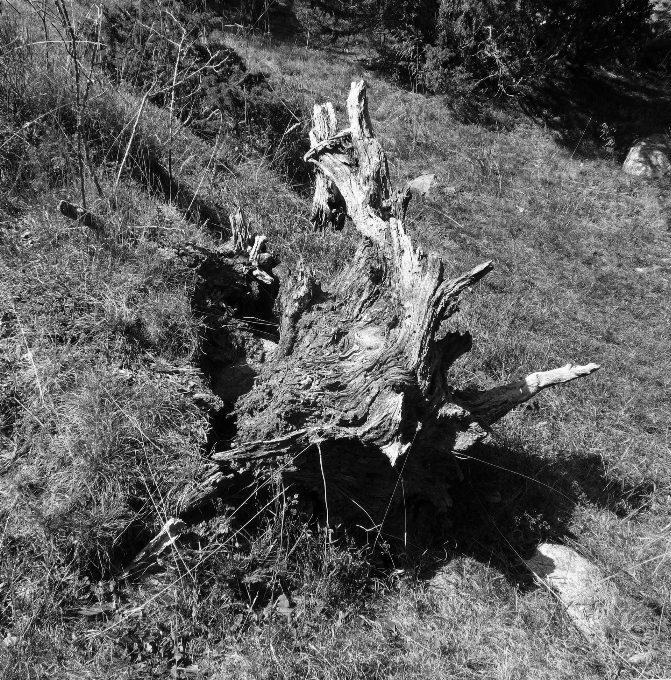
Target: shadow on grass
(283, 24)
(600, 110)
(323, 26)
(594, 112)
(510, 501)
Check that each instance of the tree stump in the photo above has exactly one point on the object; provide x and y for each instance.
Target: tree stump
(355, 408)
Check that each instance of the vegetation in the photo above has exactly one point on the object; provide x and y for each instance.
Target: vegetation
(440, 45)
(106, 404)
(510, 46)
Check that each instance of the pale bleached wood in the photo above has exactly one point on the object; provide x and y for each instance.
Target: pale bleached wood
(166, 537)
(327, 210)
(491, 405)
(254, 246)
(241, 231)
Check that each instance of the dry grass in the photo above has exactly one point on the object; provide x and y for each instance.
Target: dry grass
(93, 441)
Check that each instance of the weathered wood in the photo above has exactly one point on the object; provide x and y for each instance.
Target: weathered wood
(234, 296)
(328, 208)
(241, 233)
(169, 533)
(491, 405)
(355, 407)
(74, 212)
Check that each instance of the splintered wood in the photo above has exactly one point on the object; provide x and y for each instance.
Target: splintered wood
(355, 409)
(328, 208)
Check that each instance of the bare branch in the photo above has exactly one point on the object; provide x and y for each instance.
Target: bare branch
(489, 406)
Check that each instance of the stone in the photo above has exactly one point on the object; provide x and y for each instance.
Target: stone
(642, 658)
(588, 597)
(420, 186)
(649, 157)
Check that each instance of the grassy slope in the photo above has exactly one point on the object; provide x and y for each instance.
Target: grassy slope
(580, 275)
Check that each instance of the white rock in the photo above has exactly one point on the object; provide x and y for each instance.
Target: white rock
(589, 598)
(422, 185)
(649, 157)
(642, 658)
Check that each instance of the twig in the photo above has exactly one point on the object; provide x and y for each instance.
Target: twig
(130, 141)
(172, 108)
(30, 354)
(68, 26)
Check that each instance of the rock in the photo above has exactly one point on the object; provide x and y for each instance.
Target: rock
(642, 658)
(420, 186)
(9, 641)
(580, 586)
(284, 606)
(649, 157)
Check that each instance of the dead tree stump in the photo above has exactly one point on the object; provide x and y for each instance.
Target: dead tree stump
(355, 406)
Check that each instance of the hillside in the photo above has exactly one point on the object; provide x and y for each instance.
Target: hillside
(120, 364)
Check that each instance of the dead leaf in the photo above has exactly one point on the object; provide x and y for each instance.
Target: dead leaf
(389, 625)
(493, 495)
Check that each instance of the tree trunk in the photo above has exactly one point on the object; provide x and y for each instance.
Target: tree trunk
(354, 409)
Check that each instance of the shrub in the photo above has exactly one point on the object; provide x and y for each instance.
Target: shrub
(506, 45)
(478, 39)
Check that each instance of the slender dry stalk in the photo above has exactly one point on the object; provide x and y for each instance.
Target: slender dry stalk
(87, 92)
(172, 106)
(70, 29)
(130, 141)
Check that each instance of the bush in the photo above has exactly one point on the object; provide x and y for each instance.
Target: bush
(478, 39)
(507, 45)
